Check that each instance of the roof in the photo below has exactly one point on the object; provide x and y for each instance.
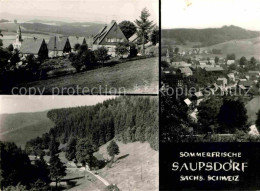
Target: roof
(103, 32)
(186, 70)
(246, 83)
(230, 61)
(76, 40)
(224, 79)
(198, 94)
(60, 43)
(31, 46)
(133, 37)
(253, 72)
(187, 101)
(213, 69)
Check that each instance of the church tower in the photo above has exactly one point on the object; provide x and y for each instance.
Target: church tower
(18, 42)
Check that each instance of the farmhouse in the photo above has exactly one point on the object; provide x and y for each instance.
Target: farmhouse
(109, 36)
(59, 46)
(229, 62)
(34, 46)
(76, 40)
(214, 69)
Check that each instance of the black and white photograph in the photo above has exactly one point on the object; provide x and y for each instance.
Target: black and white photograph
(79, 143)
(210, 69)
(67, 47)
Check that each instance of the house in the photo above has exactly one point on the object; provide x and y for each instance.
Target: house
(76, 40)
(245, 85)
(222, 82)
(187, 102)
(214, 69)
(59, 46)
(229, 62)
(253, 75)
(186, 71)
(34, 46)
(180, 64)
(109, 36)
(231, 77)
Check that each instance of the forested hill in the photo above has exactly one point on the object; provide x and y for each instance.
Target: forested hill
(208, 36)
(128, 118)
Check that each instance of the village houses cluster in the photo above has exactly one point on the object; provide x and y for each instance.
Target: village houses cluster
(109, 36)
(226, 82)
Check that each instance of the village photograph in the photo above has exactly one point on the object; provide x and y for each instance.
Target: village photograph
(79, 143)
(210, 69)
(79, 47)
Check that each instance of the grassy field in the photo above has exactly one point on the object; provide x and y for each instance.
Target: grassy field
(136, 167)
(21, 127)
(139, 76)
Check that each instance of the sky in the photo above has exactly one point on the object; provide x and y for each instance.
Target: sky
(18, 104)
(210, 13)
(81, 10)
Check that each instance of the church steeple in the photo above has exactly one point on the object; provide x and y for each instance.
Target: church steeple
(18, 42)
(19, 34)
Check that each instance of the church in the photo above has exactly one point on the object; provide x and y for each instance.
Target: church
(18, 42)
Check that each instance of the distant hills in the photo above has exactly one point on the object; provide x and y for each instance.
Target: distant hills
(21, 127)
(208, 36)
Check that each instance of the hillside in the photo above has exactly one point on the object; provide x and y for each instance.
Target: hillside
(22, 127)
(140, 76)
(136, 169)
(208, 36)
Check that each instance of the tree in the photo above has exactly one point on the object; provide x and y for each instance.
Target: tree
(176, 50)
(10, 48)
(71, 149)
(155, 36)
(84, 153)
(231, 56)
(257, 122)
(208, 113)
(53, 146)
(101, 54)
(15, 58)
(42, 170)
(122, 49)
(243, 62)
(1, 42)
(232, 116)
(113, 149)
(128, 28)
(75, 61)
(144, 26)
(57, 169)
(252, 63)
(76, 47)
(216, 59)
(112, 187)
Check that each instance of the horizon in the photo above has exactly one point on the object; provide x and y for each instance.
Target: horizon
(86, 11)
(210, 14)
(217, 27)
(14, 104)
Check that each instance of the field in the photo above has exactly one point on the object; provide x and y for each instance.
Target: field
(245, 47)
(22, 127)
(139, 76)
(136, 169)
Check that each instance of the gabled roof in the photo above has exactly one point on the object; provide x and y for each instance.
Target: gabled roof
(185, 70)
(31, 46)
(187, 101)
(76, 40)
(60, 43)
(214, 69)
(198, 94)
(133, 38)
(103, 32)
(253, 72)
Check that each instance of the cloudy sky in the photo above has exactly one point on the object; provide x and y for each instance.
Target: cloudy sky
(210, 13)
(17, 104)
(81, 10)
